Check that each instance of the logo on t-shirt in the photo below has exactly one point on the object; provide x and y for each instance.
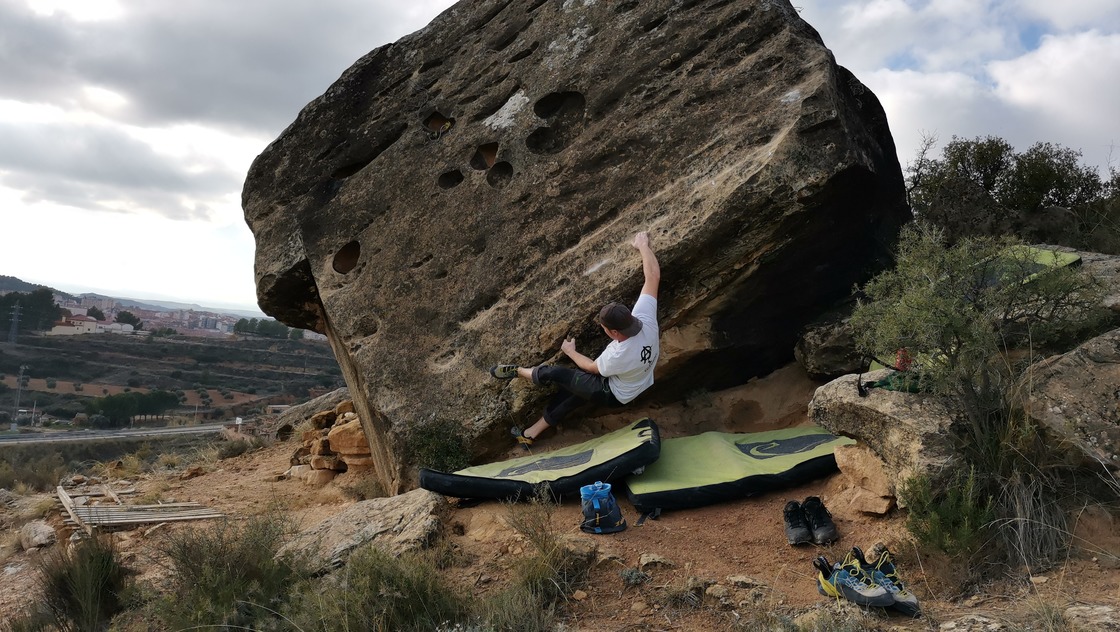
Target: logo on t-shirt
(647, 354)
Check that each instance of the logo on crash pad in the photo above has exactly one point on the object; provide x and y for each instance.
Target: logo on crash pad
(549, 463)
(784, 447)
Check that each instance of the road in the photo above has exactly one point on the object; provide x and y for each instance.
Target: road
(90, 435)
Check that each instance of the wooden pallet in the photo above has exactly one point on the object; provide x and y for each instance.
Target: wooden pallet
(88, 518)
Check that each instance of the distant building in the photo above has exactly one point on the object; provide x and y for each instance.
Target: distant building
(74, 325)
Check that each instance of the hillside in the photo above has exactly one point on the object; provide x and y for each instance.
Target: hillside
(240, 373)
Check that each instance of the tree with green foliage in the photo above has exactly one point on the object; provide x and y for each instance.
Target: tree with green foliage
(38, 310)
(973, 325)
(295, 334)
(983, 187)
(128, 318)
(94, 312)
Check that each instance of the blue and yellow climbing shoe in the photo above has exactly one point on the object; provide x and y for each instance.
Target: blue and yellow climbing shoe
(884, 573)
(504, 371)
(848, 581)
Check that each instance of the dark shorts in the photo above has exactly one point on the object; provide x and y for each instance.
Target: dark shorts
(576, 388)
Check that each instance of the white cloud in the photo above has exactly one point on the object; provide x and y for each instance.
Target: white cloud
(1073, 77)
(1075, 14)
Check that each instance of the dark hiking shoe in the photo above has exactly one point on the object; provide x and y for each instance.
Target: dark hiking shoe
(519, 436)
(797, 529)
(504, 371)
(883, 573)
(820, 521)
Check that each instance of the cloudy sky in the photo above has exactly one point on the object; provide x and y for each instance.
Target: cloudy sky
(127, 126)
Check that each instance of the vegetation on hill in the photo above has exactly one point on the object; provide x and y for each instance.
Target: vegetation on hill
(983, 187)
(37, 310)
(12, 284)
(81, 367)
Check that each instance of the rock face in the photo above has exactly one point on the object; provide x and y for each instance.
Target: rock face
(465, 196)
(1076, 397)
(910, 432)
(402, 523)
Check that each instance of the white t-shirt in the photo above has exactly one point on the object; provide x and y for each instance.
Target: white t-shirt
(629, 364)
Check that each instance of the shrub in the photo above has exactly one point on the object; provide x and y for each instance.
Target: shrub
(541, 580)
(51, 382)
(231, 449)
(957, 521)
(83, 586)
(376, 591)
(437, 445)
(973, 339)
(228, 575)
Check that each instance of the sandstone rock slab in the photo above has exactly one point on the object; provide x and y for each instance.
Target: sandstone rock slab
(910, 432)
(1076, 397)
(397, 524)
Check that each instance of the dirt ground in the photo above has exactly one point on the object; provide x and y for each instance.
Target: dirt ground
(742, 539)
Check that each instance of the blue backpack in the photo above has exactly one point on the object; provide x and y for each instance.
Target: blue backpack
(600, 511)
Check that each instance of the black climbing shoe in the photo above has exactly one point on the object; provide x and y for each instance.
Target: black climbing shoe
(797, 529)
(820, 521)
(504, 371)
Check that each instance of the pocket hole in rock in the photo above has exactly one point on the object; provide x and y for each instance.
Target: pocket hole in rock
(346, 259)
(499, 175)
(485, 156)
(451, 179)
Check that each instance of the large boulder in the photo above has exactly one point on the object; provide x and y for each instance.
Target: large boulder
(1076, 397)
(910, 432)
(465, 196)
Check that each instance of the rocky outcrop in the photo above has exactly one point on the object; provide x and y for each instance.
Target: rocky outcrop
(464, 197)
(286, 422)
(910, 432)
(867, 486)
(334, 443)
(1076, 397)
(407, 522)
(827, 350)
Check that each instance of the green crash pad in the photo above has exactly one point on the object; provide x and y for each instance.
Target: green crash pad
(561, 472)
(717, 466)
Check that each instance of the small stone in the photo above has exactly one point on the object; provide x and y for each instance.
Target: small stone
(653, 560)
(192, 472)
(717, 591)
(639, 607)
(742, 581)
(37, 534)
(1038, 580)
(579, 595)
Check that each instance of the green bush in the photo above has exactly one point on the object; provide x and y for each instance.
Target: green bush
(230, 574)
(82, 587)
(437, 445)
(376, 591)
(230, 449)
(955, 519)
(972, 340)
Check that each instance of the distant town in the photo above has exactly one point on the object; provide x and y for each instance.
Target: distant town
(185, 322)
(98, 314)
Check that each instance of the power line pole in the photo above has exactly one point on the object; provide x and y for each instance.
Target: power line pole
(15, 323)
(19, 391)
